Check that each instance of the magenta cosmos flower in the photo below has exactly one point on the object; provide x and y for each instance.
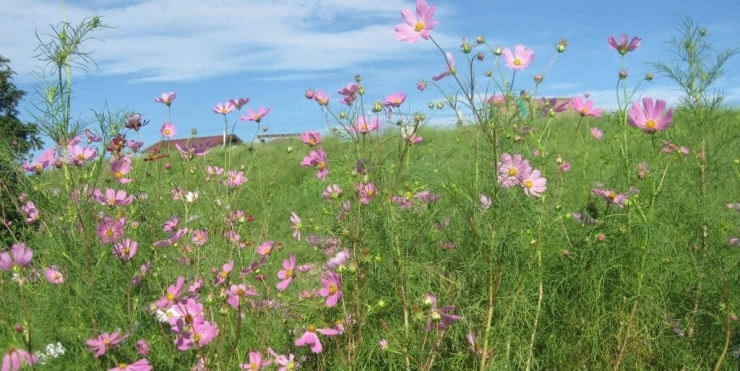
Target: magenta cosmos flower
(119, 169)
(168, 130)
(520, 59)
(79, 155)
(363, 126)
(140, 365)
(585, 108)
(286, 274)
(611, 197)
(256, 362)
(395, 100)
(172, 295)
(311, 339)
(237, 292)
(321, 98)
(367, 192)
(295, 225)
(650, 117)
(451, 67)
(623, 47)
(512, 169)
(104, 342)
(319, 159)
(53, 275)
(111, 197)
(417, 25)
(14, 359)
(135, 122)
(239, 102)
(20, 258)
(311, 138)
(166, 98)
(332, 289)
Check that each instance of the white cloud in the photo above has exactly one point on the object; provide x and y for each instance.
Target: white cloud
(168, 40)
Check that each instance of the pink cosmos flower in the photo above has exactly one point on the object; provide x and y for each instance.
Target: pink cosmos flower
(421, 85)
(311, 339)
(311, 138)
(171, 224)
(265, 248)
(256, 116)
(337, 260)
(119, 169)
(46, 159)
(395, 100)
(166, 98)
(172, 239)
(224, 108)
(332, 289)
(319, 159)
(199, 237)
(134, 146)
(520, 59)
(286, 274)
(239, 102)
(596, 133)
(383, 345)
(485, 202)
(201, 335)
(140, 365)
(284, 363)
(412, 139)
(255, 362)
(418, 25)
(91, 137)
(237, 292)
(110, 231)
(222, 275)
(362, 126)
(31, 212)
(332, 192)
(168, 130)
(512, 169)
(553, 104)
(172, 295)
(15, 359)
(235, 178)
(622, 47)
(611, 197)
(105, 342)
(53, 275)
(112, 197)
(125, 250)
(650, 117)
(142, 347)
(451, 67)
(79, 156)
(135, 122)
(321, 98)
(367, 192)
(350, 93)
(439, 318)
(585, 108)
(188, 152)
(534, 184)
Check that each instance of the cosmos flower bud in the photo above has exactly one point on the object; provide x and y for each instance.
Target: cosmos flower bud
(498, 50)
(358, 78)
(440, 105)
(480, 39)
(562, 45)
(466, 47)
(538, 78)
(377, 106)
(361, 90)
(481, 56)
(431, 105)
(622, 74)
(489, 73)
(649, 77)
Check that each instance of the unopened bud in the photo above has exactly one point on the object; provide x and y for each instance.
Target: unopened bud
(481, 56)
(538, 78)
(465, 46)
(431, 105)
(480, 39)
(377, 106)
(440, 105)
(361, 90)
(358, 78)
(562, 45)
(498, 50)
(622, 74)
(703, 32)
(489, 73)
(342, 115)
(649, 77)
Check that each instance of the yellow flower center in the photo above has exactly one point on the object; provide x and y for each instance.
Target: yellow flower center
(584, 111)
(122, 366)
(512, 171)
(650, 124)
(528, 184)
(254, 366)
(111, 201)
(167, 131)
(311, 141)
(38, 168)
(517, 62)
(288, 273)
(170, 296)
(197, 337)
(419, 26)
(240, 292)
(118, 175)
(612, 196)
(332, 289)
(322, 165)
(109, 233)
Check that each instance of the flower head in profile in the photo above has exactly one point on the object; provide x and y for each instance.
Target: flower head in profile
(166, 98)
(311, 138)
(395, 100)
(439, 318)
(256, 362)
(367, 192)
(585, 108)
(237, 292)
(14, 359)
(520, 59)
(295, 225)
(319, 159)
(256, 116)
(168, 130)
(611, 197)
(596, 133)
(451, 67)
(321, 98)
(134, 122)
(363, 126)
(19, 257)
(622, 47)
(238, 103)
(650, 116)
(417, 25)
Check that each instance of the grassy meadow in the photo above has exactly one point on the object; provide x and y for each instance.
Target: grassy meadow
(412, 246)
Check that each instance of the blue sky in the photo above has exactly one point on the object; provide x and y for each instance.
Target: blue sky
(272, 51)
